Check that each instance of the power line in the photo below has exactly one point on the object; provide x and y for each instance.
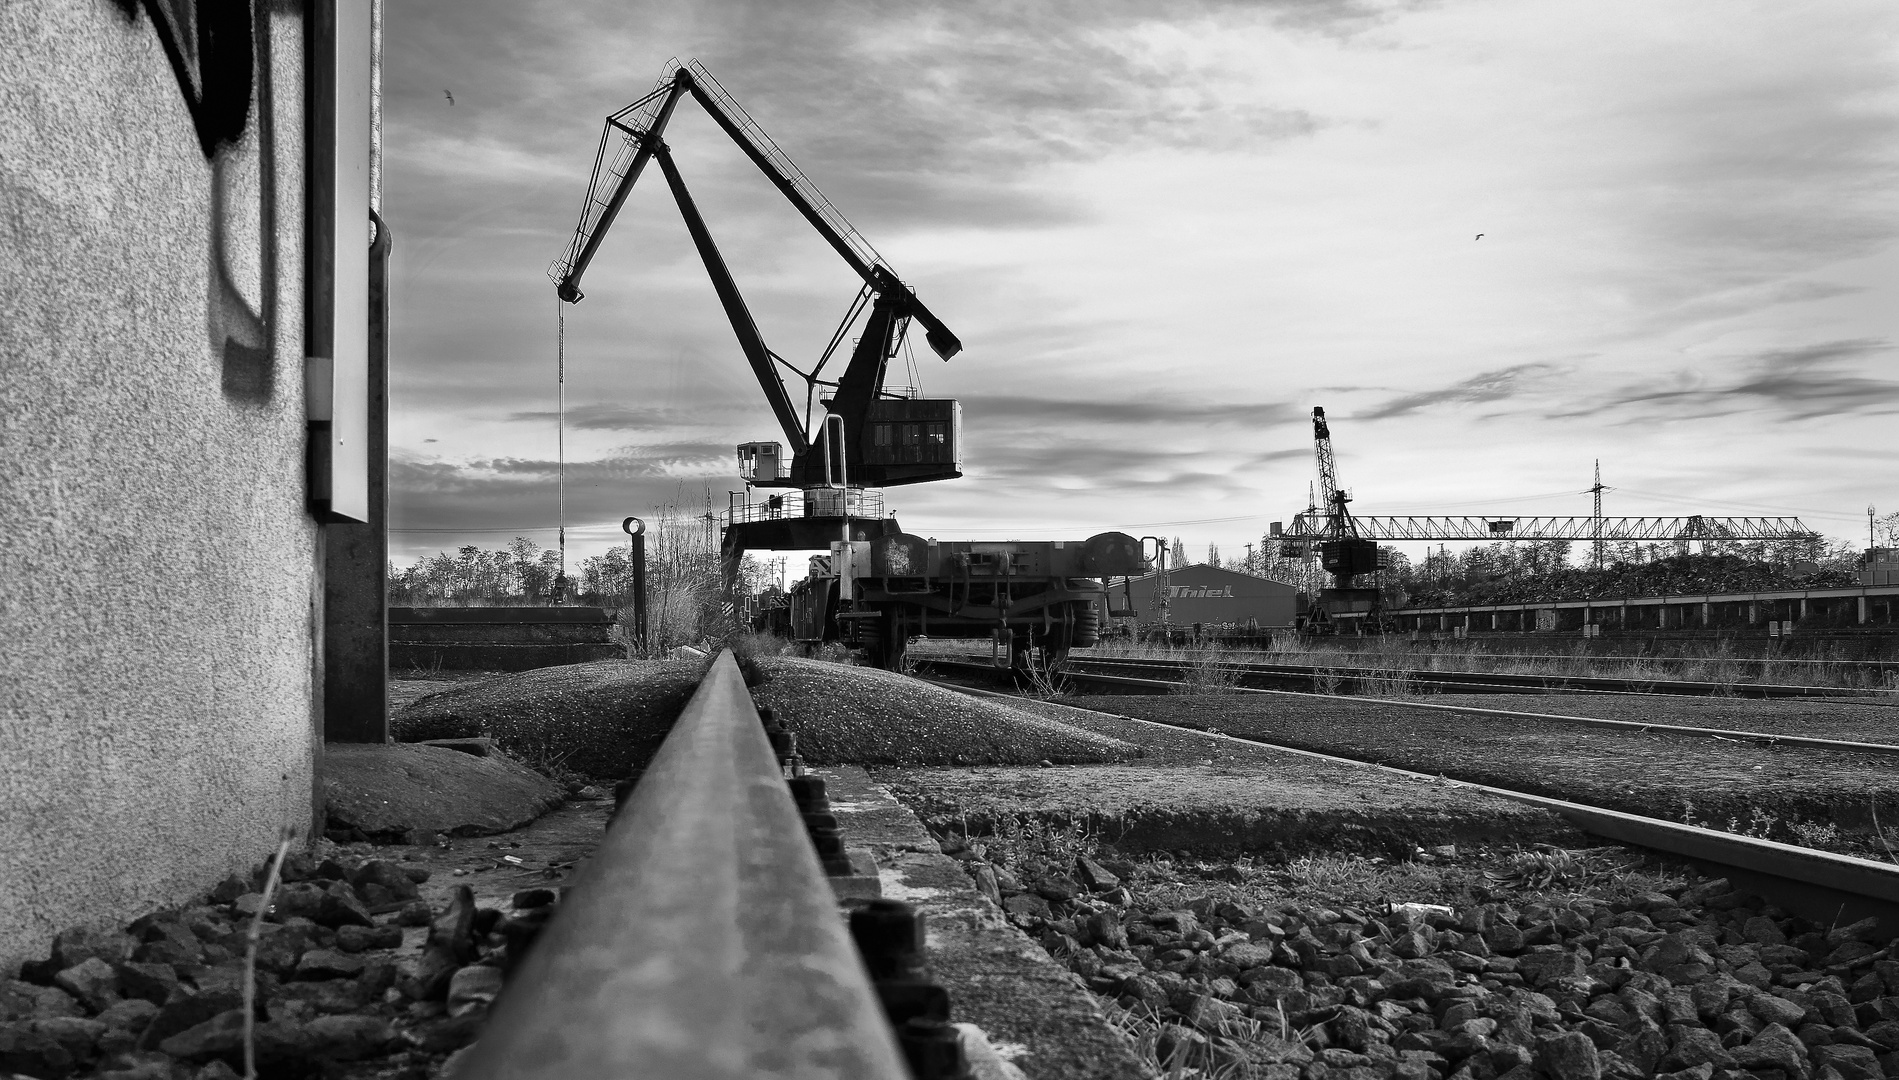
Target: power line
(1745, 505)
(612, 526)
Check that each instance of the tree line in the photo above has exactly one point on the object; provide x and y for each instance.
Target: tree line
(1532, 571)
(683, 587)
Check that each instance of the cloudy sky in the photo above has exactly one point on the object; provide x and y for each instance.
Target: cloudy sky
(1164, 231)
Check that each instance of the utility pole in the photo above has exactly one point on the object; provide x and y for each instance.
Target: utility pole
(1161, 601)
(1596, 530)
(635, 530)
(1872, 539)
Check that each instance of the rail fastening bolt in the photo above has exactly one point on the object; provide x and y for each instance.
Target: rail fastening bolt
(890, 935)
(808, 793)
(933, 1049)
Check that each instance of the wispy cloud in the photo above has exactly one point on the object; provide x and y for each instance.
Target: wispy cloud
(1083, 413)
(677, 460)
(487, 501)
(1798, 384)
(609, 417)
(1039, 462)
(1484, 387)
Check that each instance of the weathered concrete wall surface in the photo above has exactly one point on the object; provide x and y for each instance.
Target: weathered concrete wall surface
(156, 647)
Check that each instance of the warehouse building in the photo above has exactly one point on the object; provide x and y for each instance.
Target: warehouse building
(1219, 600)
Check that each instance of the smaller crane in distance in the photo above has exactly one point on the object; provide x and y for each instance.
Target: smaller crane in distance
(1348, 544)
(1342, 552)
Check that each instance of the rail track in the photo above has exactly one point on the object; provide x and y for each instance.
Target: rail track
(1350, 677)
(1821, 885)
(705, 941)
(1082, 676)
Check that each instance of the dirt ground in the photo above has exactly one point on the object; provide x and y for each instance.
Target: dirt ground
(545, 853)
(404, 690)
(1189, 791)
(1785, 793)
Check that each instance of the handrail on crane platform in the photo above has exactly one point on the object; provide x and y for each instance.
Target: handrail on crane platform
(867, 503)
(703, 939)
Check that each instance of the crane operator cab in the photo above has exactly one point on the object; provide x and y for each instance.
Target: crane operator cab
(761, 461)
(903, 441)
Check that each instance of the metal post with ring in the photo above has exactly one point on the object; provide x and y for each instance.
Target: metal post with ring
(635, 530)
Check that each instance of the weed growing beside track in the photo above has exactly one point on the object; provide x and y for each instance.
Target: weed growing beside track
(1208, 671)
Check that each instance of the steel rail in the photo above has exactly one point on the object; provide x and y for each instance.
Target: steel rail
(1506, 679)
(1635, 726)
(1820, 885)
(702, 940)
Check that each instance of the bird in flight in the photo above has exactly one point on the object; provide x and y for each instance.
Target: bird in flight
(449, 96)
(451, 101)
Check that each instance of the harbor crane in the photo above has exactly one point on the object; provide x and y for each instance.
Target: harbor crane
(1343, 553)
(890, 438)
(878, 585)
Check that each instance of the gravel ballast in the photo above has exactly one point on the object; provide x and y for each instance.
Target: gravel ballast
(1628, 978)
(356, 977)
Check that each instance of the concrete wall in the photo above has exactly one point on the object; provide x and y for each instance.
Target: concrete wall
(160, 567)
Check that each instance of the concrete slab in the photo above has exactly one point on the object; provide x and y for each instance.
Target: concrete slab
(1037, 1013)
(392, 789)
(863, 882)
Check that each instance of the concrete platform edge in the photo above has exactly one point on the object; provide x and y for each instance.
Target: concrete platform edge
(1037, 1013)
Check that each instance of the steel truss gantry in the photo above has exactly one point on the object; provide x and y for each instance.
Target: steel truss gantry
(1693, 527)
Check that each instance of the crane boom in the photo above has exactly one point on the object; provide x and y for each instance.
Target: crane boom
(751, 343)
(623, 170)
(1332, 498)
(886, 442)
(642, 133)
(1322, 447)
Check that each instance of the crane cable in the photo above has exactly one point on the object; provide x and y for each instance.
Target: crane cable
(560, 436)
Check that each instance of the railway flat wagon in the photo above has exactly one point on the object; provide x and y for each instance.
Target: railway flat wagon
(1047, 595)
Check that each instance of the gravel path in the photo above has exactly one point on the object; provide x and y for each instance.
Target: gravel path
(1763, 790)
